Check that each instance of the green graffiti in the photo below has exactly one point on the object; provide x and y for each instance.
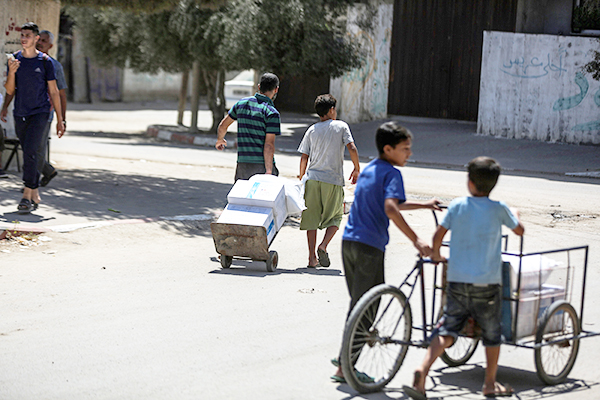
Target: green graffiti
(567, 103)
(588, 126)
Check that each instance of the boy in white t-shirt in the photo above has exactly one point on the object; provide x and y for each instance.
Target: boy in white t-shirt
(322, 151)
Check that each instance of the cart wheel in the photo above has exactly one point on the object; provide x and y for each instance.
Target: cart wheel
(461, 350)
(556, 336)
(226, 261)
(272, 261)
(376, 338)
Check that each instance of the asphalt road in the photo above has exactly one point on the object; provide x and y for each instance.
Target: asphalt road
(139, 307)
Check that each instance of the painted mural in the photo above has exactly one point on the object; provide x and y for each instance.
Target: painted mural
(363, 93)
(534, 87)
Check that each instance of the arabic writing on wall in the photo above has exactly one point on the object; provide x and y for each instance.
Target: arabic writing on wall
(534, 67)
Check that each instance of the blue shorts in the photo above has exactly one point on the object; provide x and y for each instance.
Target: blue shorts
(483, 303)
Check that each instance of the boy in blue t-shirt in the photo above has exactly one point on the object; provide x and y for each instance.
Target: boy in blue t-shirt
(474, 273)
(379, 197)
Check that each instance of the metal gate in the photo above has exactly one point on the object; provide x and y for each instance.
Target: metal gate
(435, 61)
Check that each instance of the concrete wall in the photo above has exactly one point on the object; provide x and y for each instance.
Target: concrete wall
(13, 14)
(544, 16)
(363, 93)
(533, 87)
(147, 87)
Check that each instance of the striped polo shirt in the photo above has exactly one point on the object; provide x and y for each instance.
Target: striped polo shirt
(256, 116)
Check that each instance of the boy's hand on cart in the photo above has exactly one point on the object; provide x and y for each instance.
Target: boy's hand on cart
(436, 257)
(424, 249)
(433, 204)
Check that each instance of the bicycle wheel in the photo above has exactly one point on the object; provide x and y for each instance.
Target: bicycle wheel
(461, 351)
(376, 338)
(556, 334)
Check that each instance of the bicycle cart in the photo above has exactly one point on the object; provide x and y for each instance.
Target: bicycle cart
(380, 327)
(245, 242)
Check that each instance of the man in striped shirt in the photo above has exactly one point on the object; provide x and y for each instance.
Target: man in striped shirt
(258, 124)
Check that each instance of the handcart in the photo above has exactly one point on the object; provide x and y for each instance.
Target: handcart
(243, 241)
(379, 329)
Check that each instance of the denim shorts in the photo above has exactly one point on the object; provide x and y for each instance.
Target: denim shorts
(483, 303)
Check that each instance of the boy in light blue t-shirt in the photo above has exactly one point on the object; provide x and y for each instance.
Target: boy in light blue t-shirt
(474, 273)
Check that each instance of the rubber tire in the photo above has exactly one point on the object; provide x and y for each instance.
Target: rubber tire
(226, 261)
(272, 261)
(449, 355)
(383, 374)
(542, 371)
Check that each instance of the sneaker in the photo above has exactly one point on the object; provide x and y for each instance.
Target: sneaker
(3, 173)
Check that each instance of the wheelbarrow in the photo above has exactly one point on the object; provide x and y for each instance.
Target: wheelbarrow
(244, 242)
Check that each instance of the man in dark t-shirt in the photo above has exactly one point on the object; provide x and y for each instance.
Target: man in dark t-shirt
(31, 79)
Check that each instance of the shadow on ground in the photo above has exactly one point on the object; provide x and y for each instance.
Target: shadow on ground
(466, 381)
(100, 195)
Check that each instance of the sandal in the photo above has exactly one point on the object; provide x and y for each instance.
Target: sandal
(411, 391)
(323, 258)
(501, 390)
(364, 378)
(24, 207)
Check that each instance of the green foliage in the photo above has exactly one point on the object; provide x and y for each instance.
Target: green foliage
(586, 15)
(288, 37)
(144, 42)
(593, 67)
(295, 37)
(138, 5)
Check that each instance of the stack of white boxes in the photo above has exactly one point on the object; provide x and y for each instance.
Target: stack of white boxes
(534, 293)
(256, 204)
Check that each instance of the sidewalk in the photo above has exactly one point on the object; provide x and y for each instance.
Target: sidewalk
(437, 143)
(105, 137)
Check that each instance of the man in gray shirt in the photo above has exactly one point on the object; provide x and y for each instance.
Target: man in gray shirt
(46, 170)
(322, 151)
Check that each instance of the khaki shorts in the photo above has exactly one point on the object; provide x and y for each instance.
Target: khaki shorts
(324, 205)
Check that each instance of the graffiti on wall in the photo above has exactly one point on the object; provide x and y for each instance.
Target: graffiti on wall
(534, 67)
(567, 103)
(364, 90)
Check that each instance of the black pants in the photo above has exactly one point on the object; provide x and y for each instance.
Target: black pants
(246, 170)
(363, 267)
(29, 131)
(43, 165)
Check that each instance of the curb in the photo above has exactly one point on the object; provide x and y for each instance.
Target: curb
(181, 135)
(20, 230)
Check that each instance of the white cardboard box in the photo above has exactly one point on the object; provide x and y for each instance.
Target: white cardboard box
(535, 269)
(528, 309)
(249, 215)
(261, 194)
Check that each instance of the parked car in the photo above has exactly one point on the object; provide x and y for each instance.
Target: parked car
(239, 87)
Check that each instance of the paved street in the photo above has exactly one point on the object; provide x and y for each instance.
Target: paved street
(123, 296)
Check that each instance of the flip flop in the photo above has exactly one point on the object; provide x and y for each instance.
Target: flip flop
(335, 362)
(508, 391)
(413, 393)
(34, 205)
(24, 206)
(364, 378)
(323, 258)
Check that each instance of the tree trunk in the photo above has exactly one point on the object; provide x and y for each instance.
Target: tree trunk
(215, 96)
(182, 96)
(195, 100)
